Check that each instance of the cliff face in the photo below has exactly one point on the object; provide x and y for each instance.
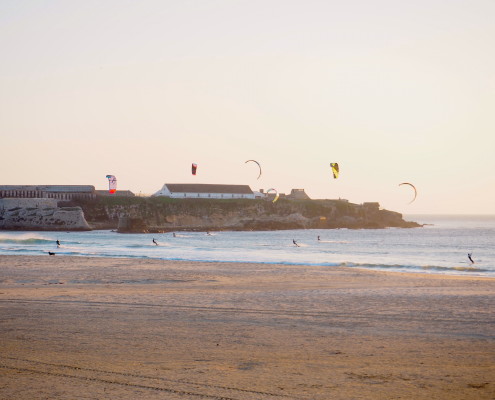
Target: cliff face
(40, 214)
(163, 214)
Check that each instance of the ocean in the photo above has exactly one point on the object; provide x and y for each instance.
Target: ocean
(441, 246)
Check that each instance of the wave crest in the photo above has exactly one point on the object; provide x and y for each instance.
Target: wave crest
(25, 239)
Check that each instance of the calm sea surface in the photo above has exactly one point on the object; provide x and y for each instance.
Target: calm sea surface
(440, 247)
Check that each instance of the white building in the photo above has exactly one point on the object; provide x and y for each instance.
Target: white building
(205, 191)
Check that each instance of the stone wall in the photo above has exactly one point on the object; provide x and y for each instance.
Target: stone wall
(9, 203)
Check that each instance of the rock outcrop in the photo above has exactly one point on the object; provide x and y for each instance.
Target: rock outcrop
(40, 215)
(164, 214)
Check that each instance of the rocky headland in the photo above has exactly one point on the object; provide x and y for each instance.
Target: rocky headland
(159, 214)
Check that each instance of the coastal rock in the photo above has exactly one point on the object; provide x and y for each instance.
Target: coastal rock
(40, 215)
(162, 215)
(132, 225)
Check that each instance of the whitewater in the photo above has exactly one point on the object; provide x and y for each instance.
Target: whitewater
(441, 246)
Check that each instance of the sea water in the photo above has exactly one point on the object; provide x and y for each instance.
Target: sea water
(441, 246)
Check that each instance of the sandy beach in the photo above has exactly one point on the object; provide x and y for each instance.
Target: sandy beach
(96, 328)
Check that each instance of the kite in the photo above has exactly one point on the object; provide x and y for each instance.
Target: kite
(193, 168)
(112, 184)
(415, 191)
(276, 194)
(335, 170)
(259, 166)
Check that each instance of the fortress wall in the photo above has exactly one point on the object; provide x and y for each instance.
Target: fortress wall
(10, 203)
(40, 214)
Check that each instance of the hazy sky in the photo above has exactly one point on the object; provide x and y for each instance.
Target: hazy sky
(394, 91)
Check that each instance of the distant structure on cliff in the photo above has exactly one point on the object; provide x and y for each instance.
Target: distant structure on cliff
(119, 193)
(205, 191)
(173, 190)
(60, 192)
(298, 194)
(295, 194)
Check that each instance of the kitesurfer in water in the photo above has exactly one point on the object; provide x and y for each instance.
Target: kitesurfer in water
(173, 234)
(58, 243)
(470, 259)
(318, 238)
(295, 243)
(155, 242)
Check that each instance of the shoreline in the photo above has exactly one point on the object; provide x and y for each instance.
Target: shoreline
(459, 274)
(114, 228)
(141, 328)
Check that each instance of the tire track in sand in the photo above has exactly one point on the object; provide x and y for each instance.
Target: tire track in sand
(158, 384)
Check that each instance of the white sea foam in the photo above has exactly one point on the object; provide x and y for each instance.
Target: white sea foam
(23, 237)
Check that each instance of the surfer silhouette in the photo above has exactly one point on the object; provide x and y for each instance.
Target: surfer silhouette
(58, 243)
(155, 242)
(470, 259)
(295, 243)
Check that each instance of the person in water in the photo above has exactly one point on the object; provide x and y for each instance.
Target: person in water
(470, 259)
(318, 238)
(295, 243)
(58, 243)
(155, 242)
(173, 234)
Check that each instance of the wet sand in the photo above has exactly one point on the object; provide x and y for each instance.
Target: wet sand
(94, 328)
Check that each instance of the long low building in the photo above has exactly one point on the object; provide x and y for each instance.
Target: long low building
(117, 193)
(60, 192)
(206, 191)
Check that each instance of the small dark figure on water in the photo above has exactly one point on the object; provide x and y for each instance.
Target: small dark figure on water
(173, 234)
(155, 242)
(50, 253)
(318, 238)
(470, 259)
(58, 243)
(295, 243)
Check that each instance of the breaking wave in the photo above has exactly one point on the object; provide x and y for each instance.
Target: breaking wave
(25, 239)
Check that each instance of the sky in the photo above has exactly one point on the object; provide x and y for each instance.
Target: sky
(394, 91)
